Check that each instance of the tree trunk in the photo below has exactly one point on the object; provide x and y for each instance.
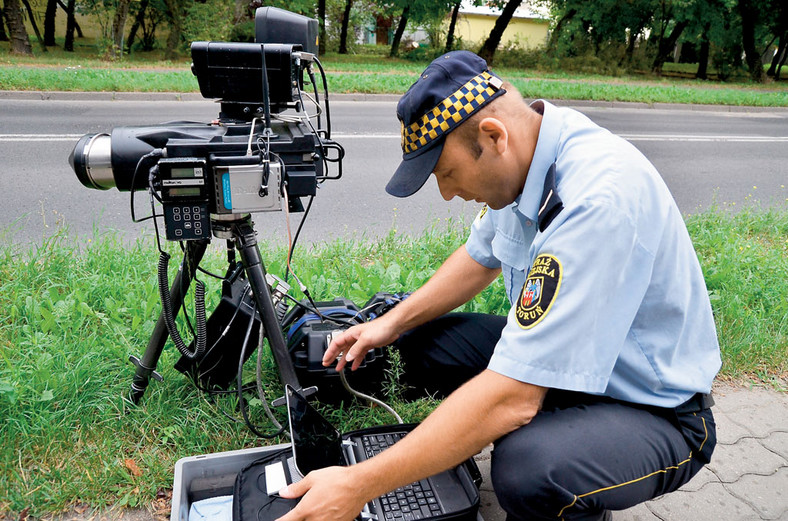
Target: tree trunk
(630, 50)
(173, 41)
(118, 27)
(703, 54)
(49, 23)
(35, 25)
(666, 46)
(71, 23)
(175, 16)
(138, 20)
(403, 21)
(343, 33)
(776, 58)
(553, 42)
(491, 44)
(321, 18)
(780, 66)
(748, 15)
(76, 25)
(3, 34)
(452, 26)
(778, 55)
(20, 43)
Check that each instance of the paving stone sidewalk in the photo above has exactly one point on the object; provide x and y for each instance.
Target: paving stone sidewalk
(747, 478)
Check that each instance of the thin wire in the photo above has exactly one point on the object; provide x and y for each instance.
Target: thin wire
(290, 246)
(251, 134)
(239, 385)
(367, 397)
(325, 97)
(287, 118)
(153, 153)
(260, 390)
(328, 317)
(298, 232)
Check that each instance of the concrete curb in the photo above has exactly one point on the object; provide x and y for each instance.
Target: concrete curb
(361, 97)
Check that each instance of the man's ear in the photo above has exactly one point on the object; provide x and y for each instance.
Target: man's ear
(492, 132)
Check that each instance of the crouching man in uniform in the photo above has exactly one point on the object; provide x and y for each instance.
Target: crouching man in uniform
(595, 387)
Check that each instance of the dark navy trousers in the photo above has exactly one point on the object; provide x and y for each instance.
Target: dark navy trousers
(581, 454)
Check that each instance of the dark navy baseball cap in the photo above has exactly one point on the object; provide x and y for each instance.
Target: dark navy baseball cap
(449, 91)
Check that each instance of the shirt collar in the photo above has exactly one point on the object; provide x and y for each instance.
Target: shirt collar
(528, 202)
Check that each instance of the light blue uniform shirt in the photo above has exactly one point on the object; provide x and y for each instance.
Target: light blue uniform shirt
(622, 309)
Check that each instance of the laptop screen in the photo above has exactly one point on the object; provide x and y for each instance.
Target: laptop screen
(316, 443)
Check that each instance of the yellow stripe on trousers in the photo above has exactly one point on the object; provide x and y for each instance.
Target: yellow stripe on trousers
(663, 471)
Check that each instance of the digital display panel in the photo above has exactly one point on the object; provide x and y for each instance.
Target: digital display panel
(185, 192)
(182, 172)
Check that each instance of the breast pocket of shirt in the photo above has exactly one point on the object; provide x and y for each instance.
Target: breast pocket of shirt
(514, 257)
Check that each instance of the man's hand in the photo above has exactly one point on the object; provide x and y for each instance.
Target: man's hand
(455, 283)
(356, 341)
(328, 494)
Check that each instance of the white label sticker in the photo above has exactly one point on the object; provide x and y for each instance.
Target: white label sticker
(275, 478)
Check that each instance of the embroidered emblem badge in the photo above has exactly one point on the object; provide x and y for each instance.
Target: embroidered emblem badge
(539, 291)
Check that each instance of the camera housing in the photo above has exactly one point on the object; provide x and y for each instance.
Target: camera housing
(263, 149)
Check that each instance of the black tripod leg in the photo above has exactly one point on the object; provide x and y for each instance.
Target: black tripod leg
(146, 367)
(255, 274)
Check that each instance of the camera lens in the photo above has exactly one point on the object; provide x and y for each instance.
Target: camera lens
(91, 160)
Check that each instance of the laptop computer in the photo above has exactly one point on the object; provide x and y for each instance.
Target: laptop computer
(451, 494)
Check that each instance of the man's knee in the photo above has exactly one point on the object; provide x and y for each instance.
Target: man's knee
(525, 475)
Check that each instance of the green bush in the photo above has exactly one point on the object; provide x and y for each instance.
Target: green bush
(422, 53)
(212, 20)
(243, 32)
(371, 49)
(518, 57)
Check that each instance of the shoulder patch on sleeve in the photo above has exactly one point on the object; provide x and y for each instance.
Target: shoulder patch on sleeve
(539, 291)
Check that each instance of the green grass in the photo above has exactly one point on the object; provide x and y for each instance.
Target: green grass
(96, 79)
(645, 93)
(372, 73)
(72, 313)
(745, 263)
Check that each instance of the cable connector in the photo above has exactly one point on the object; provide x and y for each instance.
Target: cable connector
(279, 291)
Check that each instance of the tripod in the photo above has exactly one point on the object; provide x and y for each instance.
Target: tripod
(239, 229)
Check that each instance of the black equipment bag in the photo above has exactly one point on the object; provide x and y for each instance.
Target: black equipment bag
(251, 502)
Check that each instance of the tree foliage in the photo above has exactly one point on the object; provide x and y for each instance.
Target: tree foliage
(718, 32)
(732, 37)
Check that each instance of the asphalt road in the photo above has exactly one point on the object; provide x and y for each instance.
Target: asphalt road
(731, 158)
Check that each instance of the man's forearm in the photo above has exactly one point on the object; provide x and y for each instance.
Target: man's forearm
(484, 409)
(458, 280)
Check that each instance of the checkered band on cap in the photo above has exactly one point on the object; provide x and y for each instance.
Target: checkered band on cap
(450, 112)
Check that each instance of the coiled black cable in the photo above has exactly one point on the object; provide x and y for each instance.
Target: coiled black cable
(201, 334)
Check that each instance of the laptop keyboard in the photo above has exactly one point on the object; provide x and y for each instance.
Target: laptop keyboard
(409, 503)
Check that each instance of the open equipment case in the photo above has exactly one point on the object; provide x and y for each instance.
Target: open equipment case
(213, 475)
